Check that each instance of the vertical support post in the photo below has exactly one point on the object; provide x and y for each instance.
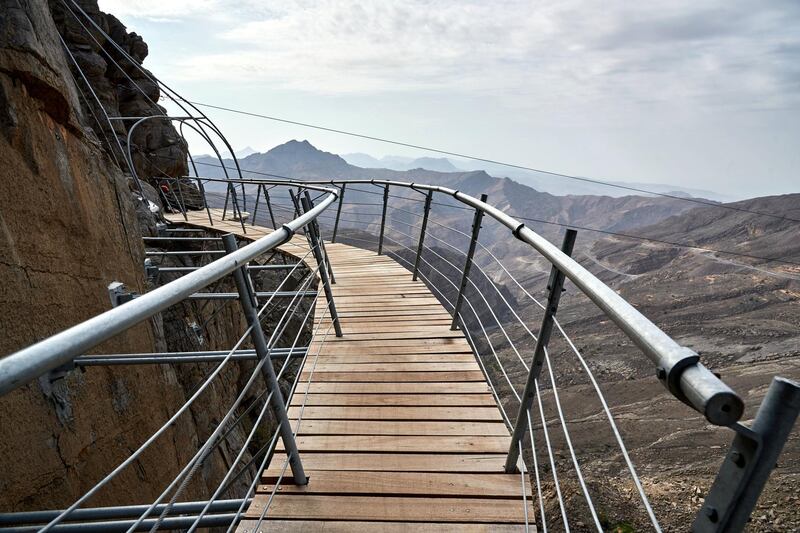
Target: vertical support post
(262, 351)
(269, 207)
(338, 212)
(313, 243)
(555, 286)
(227, 195)
(751, 458)
(383, 218)
(296, 202)
(315, 227)
(255, 208)
(476, 228)
(237, 209)
(202, 190)
(182, 201)
(421, 243)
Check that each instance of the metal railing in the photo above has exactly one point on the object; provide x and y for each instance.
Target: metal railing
(518, 367)
(462, 284)
(57, 355)
(678, 368)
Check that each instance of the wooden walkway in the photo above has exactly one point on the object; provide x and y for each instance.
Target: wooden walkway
(398, 428)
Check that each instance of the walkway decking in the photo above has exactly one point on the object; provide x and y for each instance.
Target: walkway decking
(399, 431)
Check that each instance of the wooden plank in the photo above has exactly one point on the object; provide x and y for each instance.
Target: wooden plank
(327, 412)
(469, 387)
(394, 376)
(400, 358)
(405, 444)
(402, 428)
(394, 399)
(369, 343)
(398, 508)
(405, 483)
(304, 526)
(324, 366)
(421, 328)
(394, 462)
(341, 349)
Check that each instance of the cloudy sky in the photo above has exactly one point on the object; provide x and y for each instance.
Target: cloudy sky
(695, 93)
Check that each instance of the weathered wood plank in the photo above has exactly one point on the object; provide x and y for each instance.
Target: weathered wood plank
(294, 506)
(360, 412)
(406, 444)
(401, 428)
(304, 526)
(405, 483)
(394, 376)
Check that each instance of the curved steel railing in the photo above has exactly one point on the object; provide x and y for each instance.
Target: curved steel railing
(677, 367)
(27, 364)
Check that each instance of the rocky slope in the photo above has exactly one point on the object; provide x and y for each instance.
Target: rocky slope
(740, 314)
(70, 225)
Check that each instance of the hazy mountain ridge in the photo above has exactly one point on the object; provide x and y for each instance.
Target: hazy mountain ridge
(301, 160)
(541, 181)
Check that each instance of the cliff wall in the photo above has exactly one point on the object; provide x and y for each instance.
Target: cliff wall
(68, 227)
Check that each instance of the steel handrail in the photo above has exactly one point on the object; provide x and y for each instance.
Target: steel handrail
(677, 367)
(27, 364)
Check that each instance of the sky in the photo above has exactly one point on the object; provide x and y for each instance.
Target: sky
(690, 93)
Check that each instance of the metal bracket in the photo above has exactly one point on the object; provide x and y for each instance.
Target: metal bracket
(119, 294)
(150, 270)
(752, 456)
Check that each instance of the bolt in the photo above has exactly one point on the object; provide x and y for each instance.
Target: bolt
(712, 514)
(738, 459)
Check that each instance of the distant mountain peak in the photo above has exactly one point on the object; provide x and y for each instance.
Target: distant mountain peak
(244, 152)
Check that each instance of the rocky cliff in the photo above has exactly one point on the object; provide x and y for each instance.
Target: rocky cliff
(68, 227)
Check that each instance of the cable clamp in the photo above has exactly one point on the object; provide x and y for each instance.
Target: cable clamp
(290, 231)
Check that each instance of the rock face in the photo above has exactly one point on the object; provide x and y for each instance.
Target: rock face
(69, 226)
(123, 88)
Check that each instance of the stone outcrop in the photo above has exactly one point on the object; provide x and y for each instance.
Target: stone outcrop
(113, 69)
(69, 225)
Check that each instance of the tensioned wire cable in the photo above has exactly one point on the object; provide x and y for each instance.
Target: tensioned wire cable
(191, 468)
(493, 161)
(581, 359)
(174, 96)
(471, 341)
(559, 224)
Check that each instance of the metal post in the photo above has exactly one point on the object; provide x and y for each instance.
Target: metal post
(236, 209)
(315, 227)
(476, 228)
(428, 200)
(555, 285)
(262, 350)
(313, 243)
(269, 207)
(753, 455)
(255, 208)
(383, 217)
(225, 207)
(338, 212)
(205, 200)
(296, 202)
(182, 199)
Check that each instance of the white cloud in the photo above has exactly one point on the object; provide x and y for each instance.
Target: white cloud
(714, 53)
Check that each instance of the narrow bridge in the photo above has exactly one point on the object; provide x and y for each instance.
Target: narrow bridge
(395, 420)
(404, 412)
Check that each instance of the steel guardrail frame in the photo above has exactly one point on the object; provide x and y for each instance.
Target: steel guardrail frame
(27, 364)
(678, 368)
